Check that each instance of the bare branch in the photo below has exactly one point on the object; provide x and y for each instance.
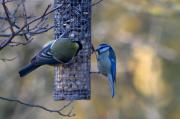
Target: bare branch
(13, 43)
(95, 72)
(8, 59)
(58, 111)
(25, 21)
(23, 30)
(7, 15)
(96, 3)
(5, 1)
(31, 32)
(38, 18)
(48, 7)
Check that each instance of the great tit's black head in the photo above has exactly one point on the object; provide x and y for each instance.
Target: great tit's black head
(79, 44)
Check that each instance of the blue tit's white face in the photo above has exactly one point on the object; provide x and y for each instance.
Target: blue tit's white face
(102, 48)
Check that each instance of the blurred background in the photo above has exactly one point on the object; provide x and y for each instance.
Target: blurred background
(145, 35)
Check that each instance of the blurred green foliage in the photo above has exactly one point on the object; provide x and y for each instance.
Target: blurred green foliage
(146, 37)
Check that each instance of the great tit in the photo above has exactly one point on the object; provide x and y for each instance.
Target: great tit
(59, 51)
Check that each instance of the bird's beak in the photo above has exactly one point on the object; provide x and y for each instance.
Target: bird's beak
(93, 49)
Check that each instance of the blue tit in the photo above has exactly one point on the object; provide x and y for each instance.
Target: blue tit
(59, 51)
(106, 62)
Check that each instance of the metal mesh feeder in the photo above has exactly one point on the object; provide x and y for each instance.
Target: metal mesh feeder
(73, 20)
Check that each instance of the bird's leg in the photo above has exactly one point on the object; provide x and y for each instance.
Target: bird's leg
(95, 72)
(93, 50)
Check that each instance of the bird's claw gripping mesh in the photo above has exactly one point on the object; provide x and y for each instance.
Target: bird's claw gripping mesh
(73, 20)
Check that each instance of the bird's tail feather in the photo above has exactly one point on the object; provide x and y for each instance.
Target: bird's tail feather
(27, 69)
(111, 84)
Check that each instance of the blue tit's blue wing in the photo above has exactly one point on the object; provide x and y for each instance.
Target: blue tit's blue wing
(111, 84)
(112, 58)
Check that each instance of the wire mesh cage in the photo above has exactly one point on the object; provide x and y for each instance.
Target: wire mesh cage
(73, 20)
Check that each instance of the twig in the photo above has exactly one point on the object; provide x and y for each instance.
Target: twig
(13, 43)
(24, 30)
(96, 3)
(25, 20)
(38, 18)
(46, 10)
(7, 41)
(58, 111)
(8, 59)
(35, 32)
(6, 1)
(7, 15)
(95, 72)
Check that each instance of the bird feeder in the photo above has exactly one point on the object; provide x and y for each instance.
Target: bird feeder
(73, 20)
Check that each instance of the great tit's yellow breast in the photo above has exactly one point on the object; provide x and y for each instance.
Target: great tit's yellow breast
(64, 50)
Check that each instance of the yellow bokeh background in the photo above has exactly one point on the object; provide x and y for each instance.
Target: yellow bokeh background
(145, 35)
